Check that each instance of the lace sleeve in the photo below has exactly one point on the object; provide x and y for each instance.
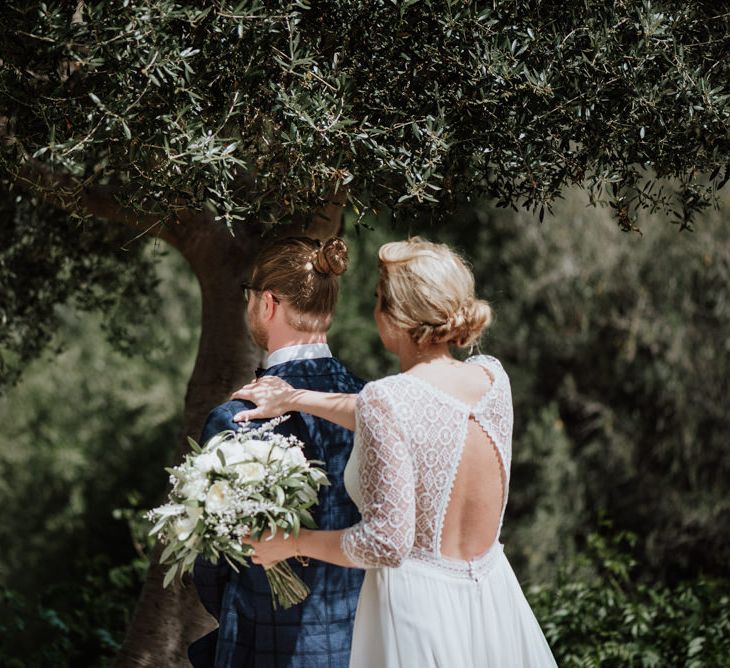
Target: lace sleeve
(384, 536)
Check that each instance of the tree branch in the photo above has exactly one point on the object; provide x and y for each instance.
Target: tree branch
(72, 195)
(102, 201)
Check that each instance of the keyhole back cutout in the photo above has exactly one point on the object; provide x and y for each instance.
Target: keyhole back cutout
(474, 508)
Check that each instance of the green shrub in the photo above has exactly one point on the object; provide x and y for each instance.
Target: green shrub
(78, 622)
(596, 614)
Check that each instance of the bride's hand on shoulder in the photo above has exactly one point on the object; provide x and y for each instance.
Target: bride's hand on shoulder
(271, 395)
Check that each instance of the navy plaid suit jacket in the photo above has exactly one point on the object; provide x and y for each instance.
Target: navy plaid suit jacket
(318, 631)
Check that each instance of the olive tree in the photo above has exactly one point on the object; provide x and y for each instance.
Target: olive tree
(208, 126)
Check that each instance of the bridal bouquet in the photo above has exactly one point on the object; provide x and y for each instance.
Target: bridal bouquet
(235, 487)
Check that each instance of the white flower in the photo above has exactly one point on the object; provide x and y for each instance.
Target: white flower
(218, 498)
(250, 471)
(294, 456)
(195, 488)
(266, 452)
(207, 462)
(183, 526)
(278, 454)
(259, 450)
(234, 452)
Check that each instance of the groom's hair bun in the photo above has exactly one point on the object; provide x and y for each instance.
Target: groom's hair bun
(303, 272)
(331, 257)
(428, 290)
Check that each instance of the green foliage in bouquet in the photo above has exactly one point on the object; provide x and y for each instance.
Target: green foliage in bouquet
(235, 488)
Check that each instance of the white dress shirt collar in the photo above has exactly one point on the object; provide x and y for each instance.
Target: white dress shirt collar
(300, 351)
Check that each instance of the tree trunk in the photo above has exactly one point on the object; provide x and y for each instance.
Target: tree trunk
(166, 621)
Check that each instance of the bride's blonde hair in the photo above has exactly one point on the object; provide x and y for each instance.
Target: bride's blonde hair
(428, 290)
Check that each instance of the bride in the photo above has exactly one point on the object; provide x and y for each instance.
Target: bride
(430, 474)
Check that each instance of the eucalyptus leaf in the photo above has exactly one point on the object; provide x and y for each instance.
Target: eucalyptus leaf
(169, 576)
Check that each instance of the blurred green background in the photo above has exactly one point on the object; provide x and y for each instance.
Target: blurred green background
(618, 523)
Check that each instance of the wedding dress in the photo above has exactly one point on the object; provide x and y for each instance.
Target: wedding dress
(419, 608)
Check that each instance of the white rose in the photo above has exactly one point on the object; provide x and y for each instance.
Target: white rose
(207, 462)
(295, 457)
(250, 471)
(218, 498)
(234, 452)
(259, 450)
(278, 454)
(195, 488)
(184, 525)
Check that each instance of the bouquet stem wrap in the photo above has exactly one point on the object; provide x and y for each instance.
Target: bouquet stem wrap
(287, 587)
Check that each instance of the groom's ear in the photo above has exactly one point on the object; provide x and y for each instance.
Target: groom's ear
(270, 304)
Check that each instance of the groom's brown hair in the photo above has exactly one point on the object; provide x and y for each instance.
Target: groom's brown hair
(303, 272)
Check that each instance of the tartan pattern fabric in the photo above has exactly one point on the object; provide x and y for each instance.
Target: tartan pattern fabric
(318, 631)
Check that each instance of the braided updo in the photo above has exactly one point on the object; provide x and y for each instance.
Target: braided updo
(428, 290)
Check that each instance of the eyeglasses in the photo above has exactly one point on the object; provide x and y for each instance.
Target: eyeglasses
(248, 288)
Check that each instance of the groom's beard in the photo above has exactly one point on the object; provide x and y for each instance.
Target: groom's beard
(258, 332)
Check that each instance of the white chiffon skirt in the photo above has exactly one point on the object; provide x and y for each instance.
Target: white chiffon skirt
(447, 614)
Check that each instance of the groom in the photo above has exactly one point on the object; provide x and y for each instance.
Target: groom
(291, 299)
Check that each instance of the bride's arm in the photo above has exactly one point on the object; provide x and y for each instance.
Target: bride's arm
(385, 535)
(274, 396)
